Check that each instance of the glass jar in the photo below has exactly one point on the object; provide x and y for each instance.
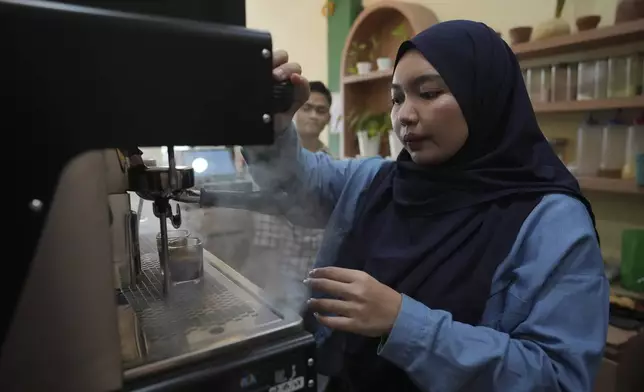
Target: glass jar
(592, 79)
(613, 154)
(589, 148)
(634, 147)
(539, 79)
(624, 76)
(563, 82)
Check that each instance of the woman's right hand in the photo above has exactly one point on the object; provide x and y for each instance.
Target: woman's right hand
(283, 71)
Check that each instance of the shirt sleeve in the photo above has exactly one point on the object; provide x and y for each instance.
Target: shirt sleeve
(558, 346)
(307, 177)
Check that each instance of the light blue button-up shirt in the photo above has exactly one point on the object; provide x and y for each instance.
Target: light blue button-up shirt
(545, 323)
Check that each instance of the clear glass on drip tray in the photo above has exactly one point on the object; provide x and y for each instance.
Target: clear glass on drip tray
(175, 238)
(186, 261)
(185, 257)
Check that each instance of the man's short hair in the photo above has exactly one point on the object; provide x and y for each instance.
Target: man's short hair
(319, 87)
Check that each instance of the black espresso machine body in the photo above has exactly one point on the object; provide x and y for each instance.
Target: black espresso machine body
(75, 81)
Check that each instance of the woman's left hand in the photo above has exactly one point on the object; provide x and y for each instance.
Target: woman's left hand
(363, 306)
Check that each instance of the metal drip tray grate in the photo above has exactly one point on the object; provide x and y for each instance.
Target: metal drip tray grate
(195, 317)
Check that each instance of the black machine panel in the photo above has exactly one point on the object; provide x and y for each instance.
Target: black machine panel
(74, 79)
(214, 11)
(285, 366)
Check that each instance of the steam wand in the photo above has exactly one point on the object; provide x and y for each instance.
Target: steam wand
(163, 211)
(307, 213)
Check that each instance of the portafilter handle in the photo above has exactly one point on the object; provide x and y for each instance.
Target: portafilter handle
(283, 96)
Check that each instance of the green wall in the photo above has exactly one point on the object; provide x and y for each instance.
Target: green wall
(339, 25)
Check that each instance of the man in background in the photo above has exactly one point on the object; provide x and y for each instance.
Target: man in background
(282, 253)
(313, 116)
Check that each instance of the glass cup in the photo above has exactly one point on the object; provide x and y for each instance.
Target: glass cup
(185, 261)
(175, 237)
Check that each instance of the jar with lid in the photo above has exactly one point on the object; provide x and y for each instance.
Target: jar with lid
(624, 76)
(592, 79)
(563, 82)
(539, 80)
(613, 154)
(589, 147)
(634, 146)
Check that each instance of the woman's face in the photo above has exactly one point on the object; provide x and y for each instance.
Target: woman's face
(425, 114)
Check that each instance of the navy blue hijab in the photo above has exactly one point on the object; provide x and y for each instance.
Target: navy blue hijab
(438, 233)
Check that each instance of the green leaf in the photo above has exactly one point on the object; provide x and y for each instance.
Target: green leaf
(560, 6)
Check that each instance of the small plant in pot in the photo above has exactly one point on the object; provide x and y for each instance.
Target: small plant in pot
(368, 128)
(382, 62)
(400, 32)
(357, 52)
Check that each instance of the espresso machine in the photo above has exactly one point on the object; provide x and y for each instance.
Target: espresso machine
(90, 305)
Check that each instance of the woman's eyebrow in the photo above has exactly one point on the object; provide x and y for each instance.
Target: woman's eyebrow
(418, 80)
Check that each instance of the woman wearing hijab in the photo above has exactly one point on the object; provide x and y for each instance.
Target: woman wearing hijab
(471, 263)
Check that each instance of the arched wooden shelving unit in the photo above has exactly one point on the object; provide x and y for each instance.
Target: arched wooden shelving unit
(371, 91)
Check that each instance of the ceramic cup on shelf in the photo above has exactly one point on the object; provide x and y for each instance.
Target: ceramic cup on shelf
(588, 22)
(520, 34)
(364, 67)
(384, 63)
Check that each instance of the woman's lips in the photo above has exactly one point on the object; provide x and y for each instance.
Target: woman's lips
(414, 142)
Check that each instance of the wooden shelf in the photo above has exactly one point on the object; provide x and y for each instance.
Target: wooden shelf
(616, 289)
(610, 185)
(583, 41)
(361, 93)
(588, 105)
(375, 75)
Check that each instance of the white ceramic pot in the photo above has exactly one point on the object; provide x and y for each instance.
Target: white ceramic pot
(395, 145)
(364, 67)
(384, 63)
(369, 146)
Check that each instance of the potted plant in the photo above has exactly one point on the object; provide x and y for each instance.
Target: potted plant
(383, 63)
(356, 52)
(368, 129)
(401, 33)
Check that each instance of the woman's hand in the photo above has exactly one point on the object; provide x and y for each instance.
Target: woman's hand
(283, 71)
(364, 305)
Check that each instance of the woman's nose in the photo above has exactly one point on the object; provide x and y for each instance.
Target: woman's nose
(407, 114)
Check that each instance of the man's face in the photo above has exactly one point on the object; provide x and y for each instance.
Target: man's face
(313, 116)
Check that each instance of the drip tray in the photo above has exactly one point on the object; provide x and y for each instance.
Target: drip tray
(195, 321)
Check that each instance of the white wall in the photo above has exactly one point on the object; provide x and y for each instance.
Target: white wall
(298, 27)
(505, 14)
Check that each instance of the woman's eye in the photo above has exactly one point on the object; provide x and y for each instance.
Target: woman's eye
(430, 94)
(396, 100)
